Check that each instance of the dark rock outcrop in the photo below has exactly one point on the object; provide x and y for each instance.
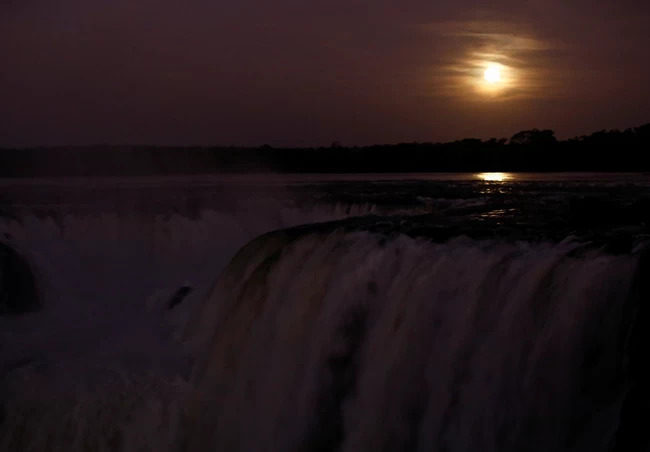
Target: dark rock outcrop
(179, 296)
(18, 288)
(632, 431)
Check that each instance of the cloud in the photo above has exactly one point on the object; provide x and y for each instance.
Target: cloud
(472, 46)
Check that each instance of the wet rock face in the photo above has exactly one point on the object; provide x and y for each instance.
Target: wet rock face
(18, 291)
(179, 296)
(632, 435)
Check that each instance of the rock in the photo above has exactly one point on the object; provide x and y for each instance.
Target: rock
(639, 211)
(18, 289)
(594, 211)
(179, 296)
(632, 430)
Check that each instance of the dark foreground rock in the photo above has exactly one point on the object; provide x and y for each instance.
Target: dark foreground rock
(18, 289)
(179, 296)
(632, 433)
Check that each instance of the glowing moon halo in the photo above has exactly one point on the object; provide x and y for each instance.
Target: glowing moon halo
(492, 75)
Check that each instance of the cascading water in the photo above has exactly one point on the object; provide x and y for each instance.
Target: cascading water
(348, 336)
(346, 342)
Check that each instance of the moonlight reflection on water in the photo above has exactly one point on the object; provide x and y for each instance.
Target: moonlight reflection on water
(495, 177)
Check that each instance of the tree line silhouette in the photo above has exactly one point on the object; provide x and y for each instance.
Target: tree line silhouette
(529, 150)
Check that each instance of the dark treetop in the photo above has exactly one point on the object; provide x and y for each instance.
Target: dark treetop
(529, 150)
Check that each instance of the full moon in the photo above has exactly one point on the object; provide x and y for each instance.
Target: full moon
(492, 75)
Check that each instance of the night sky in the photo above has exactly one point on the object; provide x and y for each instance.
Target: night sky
(289, 72)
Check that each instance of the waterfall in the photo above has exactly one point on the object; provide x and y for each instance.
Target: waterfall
(322, 339)
(351, 342)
